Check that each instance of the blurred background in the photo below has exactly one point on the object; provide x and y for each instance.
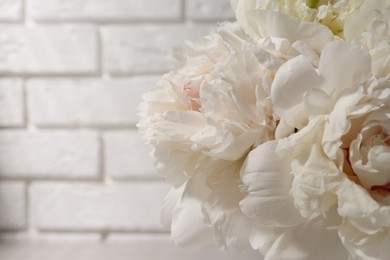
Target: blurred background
(76, 180)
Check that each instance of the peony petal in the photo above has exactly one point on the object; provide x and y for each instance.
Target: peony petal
(174, 162)
(338, 124)
(168, 206)
(260, 24)
(360, 18)
(308, 241)
(342, 66)
(315, 175)
(356, 203)
(232, 229)
(188, 228)
(292, 81)
(363, 246)
(304, 49)
(267, 180)
(317, 102)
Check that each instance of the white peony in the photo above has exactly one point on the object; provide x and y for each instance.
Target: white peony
(335, 170)
(202, 120)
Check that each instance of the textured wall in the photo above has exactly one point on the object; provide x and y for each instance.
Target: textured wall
(72, 166)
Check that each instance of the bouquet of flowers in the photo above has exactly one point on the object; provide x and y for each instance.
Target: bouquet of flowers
(274, 131)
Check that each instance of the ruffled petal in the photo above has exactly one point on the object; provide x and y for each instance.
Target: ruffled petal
(338, 123)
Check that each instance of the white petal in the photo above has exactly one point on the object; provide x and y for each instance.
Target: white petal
(292, 81)
(343, 66)
(168, 206)
(339, 124)
(359, 19)
(267, 180)
(308, 241)
(267, 23)
(188, 228)
(317, 102)
(232, 229)
(363, 246)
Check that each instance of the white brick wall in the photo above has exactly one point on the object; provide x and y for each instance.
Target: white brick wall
(97, 207)
(10, 10)
(105, 10)
(48, 50)
(125, 51)
(72, 166)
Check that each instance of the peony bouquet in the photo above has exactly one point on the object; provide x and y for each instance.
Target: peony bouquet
(274, 132)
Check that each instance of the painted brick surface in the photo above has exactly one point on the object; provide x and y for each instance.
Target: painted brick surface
(11, 103)
(144, 49)
(104, 10)
(49, 154)
(64, 102)
(12, 206)
(131, 207)
(127, 156)
(206, 10)
(47, 50)
(10, 10)
(76, 180)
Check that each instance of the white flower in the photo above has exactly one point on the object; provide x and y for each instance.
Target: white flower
(335, 168)
(202, 119)
(331, 14)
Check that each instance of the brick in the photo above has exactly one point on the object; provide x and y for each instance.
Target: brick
(206, 10)
(104, 10)
(48, 50)
(147, 48)
(49, 237)
(12, 206)
(62, 102)
(10, 10)
(11, 103)
(127, 156)
(130, 207)
(49, 154)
